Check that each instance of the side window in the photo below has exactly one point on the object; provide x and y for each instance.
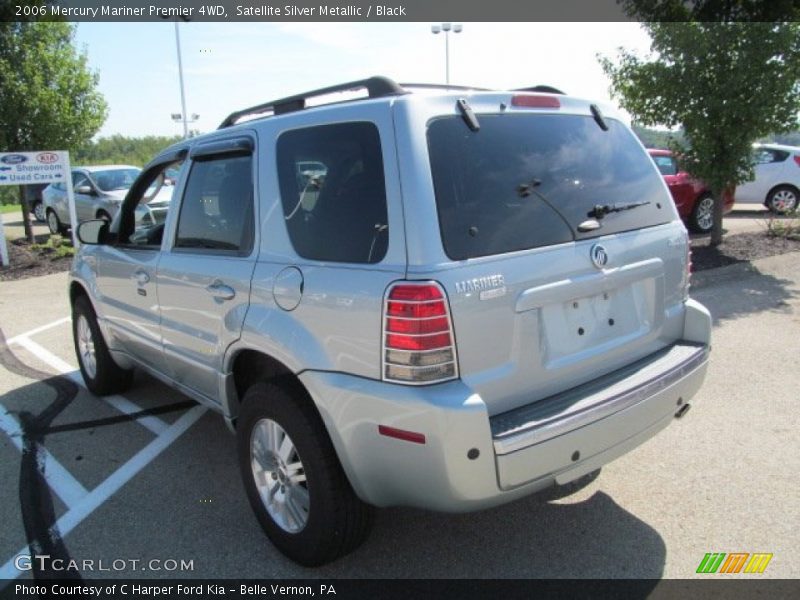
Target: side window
(151, 210)
(333, 192)
(79, 179)
(217, 208)
(765, 156)
(666, 164)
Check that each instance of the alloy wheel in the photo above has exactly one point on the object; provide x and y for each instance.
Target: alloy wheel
(279, 476)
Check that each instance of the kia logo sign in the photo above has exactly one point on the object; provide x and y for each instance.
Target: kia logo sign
(14, 159)
(599, 256)
(47, 158)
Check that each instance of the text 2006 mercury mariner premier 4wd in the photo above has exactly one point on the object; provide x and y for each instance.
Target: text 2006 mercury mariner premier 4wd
(445, 298)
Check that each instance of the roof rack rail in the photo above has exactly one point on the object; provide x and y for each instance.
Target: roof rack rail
(547, 89)
(376, 87)
(442, 86)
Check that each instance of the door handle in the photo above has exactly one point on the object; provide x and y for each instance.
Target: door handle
(140, 277)
(220, 291)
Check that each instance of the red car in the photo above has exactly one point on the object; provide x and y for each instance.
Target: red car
(692, 198)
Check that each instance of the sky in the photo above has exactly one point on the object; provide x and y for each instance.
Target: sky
(229, 66)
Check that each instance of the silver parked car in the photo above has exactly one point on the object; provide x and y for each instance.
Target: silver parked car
(445, 300)
(98, 192)
(777, 179)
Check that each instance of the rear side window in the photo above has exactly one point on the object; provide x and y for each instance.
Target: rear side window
(333, 192)
(525, 181)
(666, 164)
(765, 156)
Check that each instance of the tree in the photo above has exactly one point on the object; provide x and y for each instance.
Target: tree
(726, 83)
(48, 95)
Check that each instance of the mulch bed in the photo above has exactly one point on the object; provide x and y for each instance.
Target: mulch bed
(740, 247)
(25, 262)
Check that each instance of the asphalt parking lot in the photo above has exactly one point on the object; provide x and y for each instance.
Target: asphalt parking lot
(150, 476)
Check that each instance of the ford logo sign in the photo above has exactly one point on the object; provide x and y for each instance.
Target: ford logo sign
(14, 159)
(599, 256)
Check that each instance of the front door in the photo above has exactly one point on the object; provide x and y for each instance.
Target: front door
(204, 278)
(126, 276)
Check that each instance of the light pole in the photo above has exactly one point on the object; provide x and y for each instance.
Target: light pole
(446, 27)
(180, 78)
(178, 117)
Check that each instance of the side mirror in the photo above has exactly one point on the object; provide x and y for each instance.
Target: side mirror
(93, 232)
(83, 189)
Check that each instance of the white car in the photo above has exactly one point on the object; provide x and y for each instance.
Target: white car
(777, 181)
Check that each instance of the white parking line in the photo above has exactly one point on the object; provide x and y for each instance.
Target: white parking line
(38, 330)
(112, 483)
(120, 403)
(61, 481)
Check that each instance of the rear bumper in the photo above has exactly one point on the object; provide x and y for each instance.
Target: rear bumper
(556, 441)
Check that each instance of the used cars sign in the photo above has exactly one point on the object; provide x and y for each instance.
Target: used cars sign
(23, 168)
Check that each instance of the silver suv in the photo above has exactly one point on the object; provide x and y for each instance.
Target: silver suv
(441, 298)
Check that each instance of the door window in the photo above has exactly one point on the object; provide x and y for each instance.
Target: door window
(666, 164)
(217, 209)
(143, 222)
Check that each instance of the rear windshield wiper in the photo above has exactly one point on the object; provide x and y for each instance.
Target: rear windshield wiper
(526, 189)
(601, 210)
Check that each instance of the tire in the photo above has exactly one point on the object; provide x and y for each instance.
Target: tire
(309, 512)
(702, 218)
(54, 223)
(102, 375)
(782, 199)
(39, 212)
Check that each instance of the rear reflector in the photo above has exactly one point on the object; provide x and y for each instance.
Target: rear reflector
(531, 101)
(401, 434)
(797, 159)
(418, 342)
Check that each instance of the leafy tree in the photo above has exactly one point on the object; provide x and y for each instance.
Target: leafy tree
(119, 149)
(726, 83)
(48, 95)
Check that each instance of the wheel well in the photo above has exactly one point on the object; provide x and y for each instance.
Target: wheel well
(780, 185)
(75, 291)
(251, 366)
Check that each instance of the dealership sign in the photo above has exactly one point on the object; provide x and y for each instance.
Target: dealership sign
(29, 168)
(32, 168)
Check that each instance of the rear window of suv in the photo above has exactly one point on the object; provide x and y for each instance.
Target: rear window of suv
(526, 181)
(333, 192)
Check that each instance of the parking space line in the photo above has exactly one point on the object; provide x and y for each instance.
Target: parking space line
(44, 355)
(38, 330)
(94, 499)
(123, 405)
(61, 481)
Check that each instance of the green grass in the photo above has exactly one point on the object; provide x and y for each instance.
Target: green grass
(10, 208)
(55, 247)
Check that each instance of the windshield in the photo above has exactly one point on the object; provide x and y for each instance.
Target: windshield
(525, 181)
(115, 179)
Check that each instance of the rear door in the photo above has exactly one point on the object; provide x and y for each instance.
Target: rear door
(548, 291)
(204, 277)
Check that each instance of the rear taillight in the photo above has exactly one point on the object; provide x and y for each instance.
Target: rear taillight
(418, 342)
(797, 159)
